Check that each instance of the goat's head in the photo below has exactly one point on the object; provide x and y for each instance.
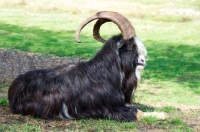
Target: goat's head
(127, 30)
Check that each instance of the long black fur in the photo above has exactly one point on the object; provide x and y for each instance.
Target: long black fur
(98, 88)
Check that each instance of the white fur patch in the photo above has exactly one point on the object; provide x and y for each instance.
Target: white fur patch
(141, 57)
(141, 48)
(65, 112)
(137, 72)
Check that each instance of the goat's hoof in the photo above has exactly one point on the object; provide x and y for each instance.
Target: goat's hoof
(139, 114)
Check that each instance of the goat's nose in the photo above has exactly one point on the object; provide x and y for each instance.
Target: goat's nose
(142, 60)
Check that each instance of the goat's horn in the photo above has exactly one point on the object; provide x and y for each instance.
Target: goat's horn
(123, 23)
(96, 29)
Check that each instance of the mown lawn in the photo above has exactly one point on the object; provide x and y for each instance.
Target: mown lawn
(169, 29)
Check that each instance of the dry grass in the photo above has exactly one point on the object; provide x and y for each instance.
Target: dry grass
(136, 8)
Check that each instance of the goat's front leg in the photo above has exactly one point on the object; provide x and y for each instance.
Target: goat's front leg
(124, 113)
(132, 113)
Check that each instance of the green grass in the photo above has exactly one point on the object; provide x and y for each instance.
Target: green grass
(149, 120)
(2, 128)
(179, 125)
(170, 79)
(178, 63)
(104, 125)
(174, 124)
(44, 41)
(167, 109)
(4, 102)
(23, 127)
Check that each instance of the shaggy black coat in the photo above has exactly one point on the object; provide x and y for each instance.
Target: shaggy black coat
(98, 88)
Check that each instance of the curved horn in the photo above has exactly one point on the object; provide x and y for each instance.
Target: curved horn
(96, 29)
(123, 24)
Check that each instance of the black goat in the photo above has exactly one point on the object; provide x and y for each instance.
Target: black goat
(98, 88)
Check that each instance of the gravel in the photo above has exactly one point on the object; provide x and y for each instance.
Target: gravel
(14, 62)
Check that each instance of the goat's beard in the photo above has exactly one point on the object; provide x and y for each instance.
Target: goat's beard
(138, 72)
(140, 67)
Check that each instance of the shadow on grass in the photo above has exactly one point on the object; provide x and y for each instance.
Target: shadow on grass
(34, 39)
(174, 62)
(143, 107)
(168, 61)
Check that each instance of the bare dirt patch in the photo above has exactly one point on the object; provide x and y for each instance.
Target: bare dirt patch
(7, 119)
(17, 62)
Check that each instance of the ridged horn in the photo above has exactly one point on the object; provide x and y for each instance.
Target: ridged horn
(96, 29)
(123, 24)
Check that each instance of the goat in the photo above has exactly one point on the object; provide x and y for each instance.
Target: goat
(98, 88)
